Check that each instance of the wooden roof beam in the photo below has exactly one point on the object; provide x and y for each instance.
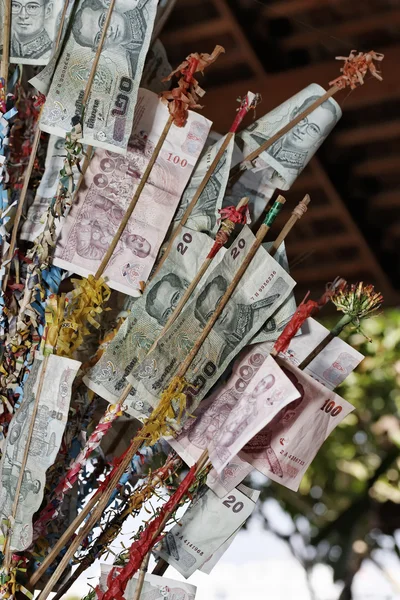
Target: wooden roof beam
(353, 27)
(374, 167)
(207, 29)
(294, 7)
(368, 134)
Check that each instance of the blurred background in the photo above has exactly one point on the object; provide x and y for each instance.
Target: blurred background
(339, 536)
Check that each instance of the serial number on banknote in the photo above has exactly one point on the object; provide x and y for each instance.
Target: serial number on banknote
(263, 285)
(190, 545)
(293, 458)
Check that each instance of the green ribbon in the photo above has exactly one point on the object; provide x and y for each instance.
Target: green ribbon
(273, 213)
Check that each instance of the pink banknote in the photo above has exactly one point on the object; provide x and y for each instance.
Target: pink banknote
(284, 449)
(110, 183)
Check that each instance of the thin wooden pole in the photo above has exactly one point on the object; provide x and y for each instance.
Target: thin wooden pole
(135, 199)
(261, 233)
(194, 200)
(7, 550)
(296, 215)
(142, 575)
(228, 225)
(5, 61)
(61, 26)
(237, 171)
(98, 54)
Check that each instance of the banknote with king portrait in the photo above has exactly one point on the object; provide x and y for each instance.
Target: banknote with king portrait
(110, 183)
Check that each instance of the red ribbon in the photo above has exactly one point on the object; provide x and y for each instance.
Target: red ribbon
(118, 578)
(236, 215)
(303, 312)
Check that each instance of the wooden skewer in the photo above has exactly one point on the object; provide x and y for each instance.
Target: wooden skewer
(135, 199)
(21, 203)
(242, 111)
(142, 575)
(98, 54)
(261, 233)
(61, 26)
(5, 61)
(7, 549)
(194, 200)
(237, 171)
(297, 213)
(99, 503)
(199, 275)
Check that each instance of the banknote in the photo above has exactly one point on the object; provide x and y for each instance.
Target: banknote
(255, 185)
(285, 448)
(288, 156)
(204, 216)
(34, 28)
(230, 404)
(110, 183)
(48, 430)
(205, 527)
(274, 326)
(263, 287)
(155, 69)
(269, 391)
(47, 189)
(154, 587)
(148, 316)
(210, 563)
(333, 364)
(109, 111)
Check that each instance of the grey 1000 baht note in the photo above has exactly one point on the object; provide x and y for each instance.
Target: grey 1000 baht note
(285, 448)
(205, 215)
(288, 156)
(109, 110)
(147, 319)
(205, 527)
(154, 587)
(47, 189)
(48, 430)
(263, 287)
(34, 29)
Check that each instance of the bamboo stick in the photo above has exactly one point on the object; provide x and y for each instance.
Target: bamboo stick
(261, 233)
(162, 565)
(7, 551)
(98, 54)
(21, 202)
(345, 320)
(142, 575)
(194, 200)
(237, 171)
(102, 503)
(245, 106)
(135, 199)
(228, 225)
(5, 61)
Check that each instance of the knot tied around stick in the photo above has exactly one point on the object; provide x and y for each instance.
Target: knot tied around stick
(188, 92)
